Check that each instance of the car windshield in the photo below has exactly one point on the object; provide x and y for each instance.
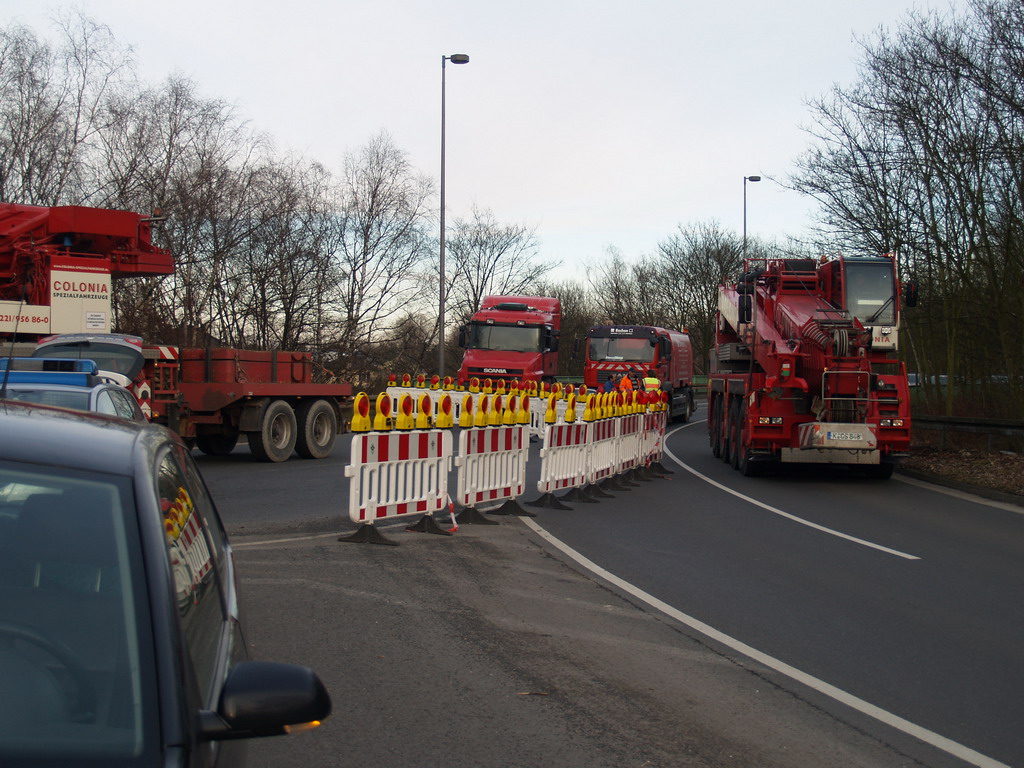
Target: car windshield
(73, 622)
(78, 399)
(630, 350)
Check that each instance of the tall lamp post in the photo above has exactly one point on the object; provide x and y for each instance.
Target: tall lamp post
(745, 180)
(455, 58)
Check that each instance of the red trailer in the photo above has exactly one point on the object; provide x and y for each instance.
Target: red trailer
(56, 269)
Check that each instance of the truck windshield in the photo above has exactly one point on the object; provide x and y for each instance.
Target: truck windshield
(506, 338)
(871, 291)
(635, 350)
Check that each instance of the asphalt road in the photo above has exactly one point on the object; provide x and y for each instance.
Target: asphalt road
(494, 647)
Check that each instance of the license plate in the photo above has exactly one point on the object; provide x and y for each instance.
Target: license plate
(845, 436)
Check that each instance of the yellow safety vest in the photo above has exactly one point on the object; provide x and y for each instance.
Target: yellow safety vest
(651, 384)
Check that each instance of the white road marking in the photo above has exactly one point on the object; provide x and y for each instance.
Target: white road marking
(888, 718)
(777, 511)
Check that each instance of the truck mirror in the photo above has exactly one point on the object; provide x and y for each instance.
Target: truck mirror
(462, 336)
(910, 289)
(576, 348)
(552, 340)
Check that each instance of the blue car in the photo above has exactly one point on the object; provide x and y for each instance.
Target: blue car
(121, 640)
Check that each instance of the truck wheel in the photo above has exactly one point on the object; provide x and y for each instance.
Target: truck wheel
(276, 439)
(726, 430)
(317, 429)
(715, 426)
(216, 443)
(735, 435)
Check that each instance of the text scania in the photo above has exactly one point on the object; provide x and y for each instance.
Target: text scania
(69, 288)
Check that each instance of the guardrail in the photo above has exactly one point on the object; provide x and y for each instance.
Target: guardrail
(989, 427)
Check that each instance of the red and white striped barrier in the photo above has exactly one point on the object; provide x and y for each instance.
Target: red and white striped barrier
(603, 455)
(564, 457)
(392, 474)
(630, 443)
(491, 464)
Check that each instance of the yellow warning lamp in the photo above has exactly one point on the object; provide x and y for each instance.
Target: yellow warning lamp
(381, 422)
(405, 417)
(425, 412)
(466, 417)
(480, 419)
(444, 412)
(361, 413)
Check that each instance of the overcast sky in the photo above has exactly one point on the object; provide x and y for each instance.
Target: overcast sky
(599, 123)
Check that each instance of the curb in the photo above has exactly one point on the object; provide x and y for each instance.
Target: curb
(987, 493)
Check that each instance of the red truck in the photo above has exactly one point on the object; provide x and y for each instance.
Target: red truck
(512, 338)
(56, 270)
(805, 366)
(612, 350)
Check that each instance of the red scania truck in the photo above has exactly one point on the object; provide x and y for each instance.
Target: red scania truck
(56, 271)
(612, 350)
(805, 366)
(512, 338)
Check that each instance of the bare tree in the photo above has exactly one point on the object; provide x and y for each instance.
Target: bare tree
(488, 258)
(52, 109)
(923, 156)
(694, 262)
(381, 239)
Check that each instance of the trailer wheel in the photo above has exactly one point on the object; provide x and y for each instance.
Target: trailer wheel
(317, 429)
(216, 443)
(275, 439)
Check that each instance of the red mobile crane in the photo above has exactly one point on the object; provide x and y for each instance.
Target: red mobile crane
(56, 269)
(612, 350)
(804, 367)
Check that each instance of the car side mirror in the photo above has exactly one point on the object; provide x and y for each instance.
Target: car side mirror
(266, 698)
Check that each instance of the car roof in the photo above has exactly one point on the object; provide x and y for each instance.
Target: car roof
(80, 440)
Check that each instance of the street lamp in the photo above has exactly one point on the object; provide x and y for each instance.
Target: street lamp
(455, 58)
(745, 180)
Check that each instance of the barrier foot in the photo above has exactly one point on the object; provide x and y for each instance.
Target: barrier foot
(646, 473)
(368, 534)
(511, 507)
(660, 469)
(474, 516)
(578, 494)
(634, 475)
(597, 492)
(427, 524)
(548, 501)
(614, 484)
(625, 479)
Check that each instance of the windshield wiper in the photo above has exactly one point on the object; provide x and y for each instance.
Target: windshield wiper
(879, 311)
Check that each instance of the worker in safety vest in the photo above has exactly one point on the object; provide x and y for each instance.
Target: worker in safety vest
(625, 383)
(651, 382)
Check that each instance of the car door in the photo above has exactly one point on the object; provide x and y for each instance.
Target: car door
(199, 561)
